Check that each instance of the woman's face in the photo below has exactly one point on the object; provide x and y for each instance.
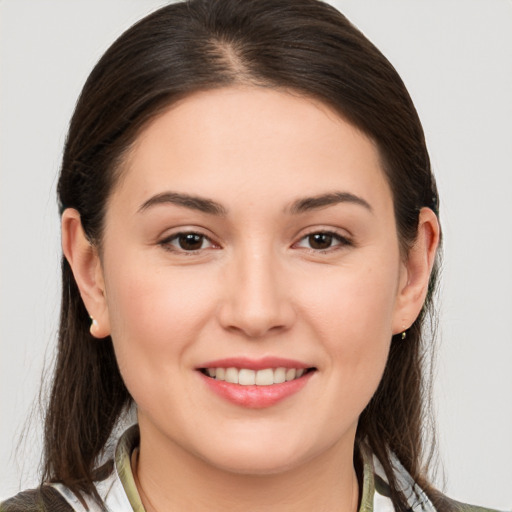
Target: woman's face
(252, 229)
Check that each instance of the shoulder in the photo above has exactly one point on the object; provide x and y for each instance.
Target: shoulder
(472, 508)
(418, 497)
(42, 499)
(443, 503)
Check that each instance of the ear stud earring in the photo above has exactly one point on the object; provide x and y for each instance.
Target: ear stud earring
(404, 335)
(94, 325)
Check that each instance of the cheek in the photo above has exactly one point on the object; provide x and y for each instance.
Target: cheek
(353, 304)
(155, 317)
(352, 314)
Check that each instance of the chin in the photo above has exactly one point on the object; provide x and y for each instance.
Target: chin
(257, 465)
(253, 455)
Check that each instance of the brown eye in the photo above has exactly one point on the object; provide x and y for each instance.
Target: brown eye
(190, 241)
(323, 241)
(187, 242)
(320, 241)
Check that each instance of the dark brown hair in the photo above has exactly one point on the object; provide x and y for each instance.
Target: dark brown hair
(301, 45)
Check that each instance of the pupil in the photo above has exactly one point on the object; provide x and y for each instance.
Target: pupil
(320, 241)
(190, 242)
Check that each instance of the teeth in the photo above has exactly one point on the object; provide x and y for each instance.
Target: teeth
(279, 375)
(232, 375)
(265, 377)
(290, 374)
(246, 377)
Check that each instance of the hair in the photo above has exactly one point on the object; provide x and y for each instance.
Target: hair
(305, 46)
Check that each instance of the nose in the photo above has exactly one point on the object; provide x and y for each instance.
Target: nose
(256, 300)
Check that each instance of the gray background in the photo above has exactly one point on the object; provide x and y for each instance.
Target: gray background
(456, 59)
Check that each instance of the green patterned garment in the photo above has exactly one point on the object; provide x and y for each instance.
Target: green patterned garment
(119, 492)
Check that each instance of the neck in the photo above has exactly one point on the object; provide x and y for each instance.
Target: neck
(174, 479)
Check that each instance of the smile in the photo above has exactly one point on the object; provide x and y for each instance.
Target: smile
(255, 384)
(249, 377)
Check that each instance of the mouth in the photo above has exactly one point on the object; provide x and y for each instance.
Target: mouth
(250, 377)
(256, 383)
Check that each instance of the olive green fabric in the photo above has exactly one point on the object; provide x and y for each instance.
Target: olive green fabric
(44, 499)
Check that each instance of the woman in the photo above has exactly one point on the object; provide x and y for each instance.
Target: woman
(250, 231)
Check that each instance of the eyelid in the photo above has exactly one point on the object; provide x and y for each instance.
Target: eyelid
(344, 240)
(165, 241)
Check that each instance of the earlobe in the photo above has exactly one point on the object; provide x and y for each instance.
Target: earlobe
(85, 263)
(417, 269)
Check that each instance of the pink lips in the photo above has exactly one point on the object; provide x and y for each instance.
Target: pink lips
(253, 396)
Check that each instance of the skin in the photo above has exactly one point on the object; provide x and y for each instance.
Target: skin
(255, 287)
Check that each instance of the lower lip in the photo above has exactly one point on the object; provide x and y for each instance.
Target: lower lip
(256, 397)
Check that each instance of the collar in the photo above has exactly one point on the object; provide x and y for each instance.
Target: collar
(119, 492)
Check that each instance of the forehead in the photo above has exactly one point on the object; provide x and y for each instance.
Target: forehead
(247, 141)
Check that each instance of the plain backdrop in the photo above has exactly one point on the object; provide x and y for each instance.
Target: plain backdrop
(456, 59)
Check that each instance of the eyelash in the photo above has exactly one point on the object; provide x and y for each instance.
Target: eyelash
(341, 241)
(167, 243)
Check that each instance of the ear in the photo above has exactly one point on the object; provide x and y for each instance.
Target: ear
(416, 271)
(85, 263)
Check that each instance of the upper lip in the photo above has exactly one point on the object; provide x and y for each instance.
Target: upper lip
(254, 364)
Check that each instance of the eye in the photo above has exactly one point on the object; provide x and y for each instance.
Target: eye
(187, 242)
(322, 241)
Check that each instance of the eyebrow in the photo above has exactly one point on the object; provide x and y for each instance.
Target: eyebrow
(213, 208)
(323, 200)
(188, 201)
